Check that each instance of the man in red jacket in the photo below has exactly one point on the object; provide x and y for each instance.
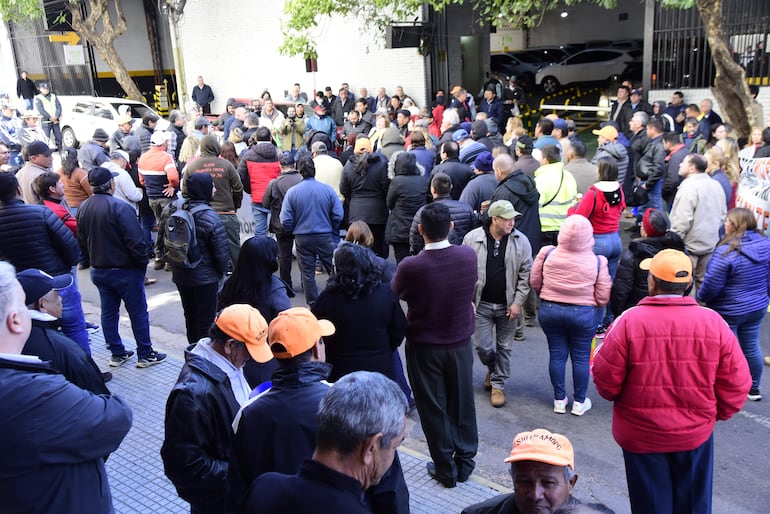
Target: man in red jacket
(673, 369)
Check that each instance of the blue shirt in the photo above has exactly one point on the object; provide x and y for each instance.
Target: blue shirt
(311, 207)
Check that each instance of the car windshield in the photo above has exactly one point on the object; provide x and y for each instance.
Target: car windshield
(525, 57)
(137, 110)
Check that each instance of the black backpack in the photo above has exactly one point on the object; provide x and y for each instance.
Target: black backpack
(180, 240)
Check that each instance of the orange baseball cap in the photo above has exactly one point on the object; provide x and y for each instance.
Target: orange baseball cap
(245, 324)
(669, 265)
(540, 445)
(363, 144)
(607, 132)
(295, 331)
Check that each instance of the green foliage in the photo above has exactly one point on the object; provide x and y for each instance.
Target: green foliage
(301, 17)
(20, 11)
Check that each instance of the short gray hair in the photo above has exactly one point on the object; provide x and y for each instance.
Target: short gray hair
(360, 405)
(451, 116)
(8, 290)
(252, 120)
(641, 116)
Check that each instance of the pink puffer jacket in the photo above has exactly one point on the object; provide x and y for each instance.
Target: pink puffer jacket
(571, 272)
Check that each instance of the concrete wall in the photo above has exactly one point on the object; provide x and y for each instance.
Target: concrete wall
(240, 58)
(8, 76)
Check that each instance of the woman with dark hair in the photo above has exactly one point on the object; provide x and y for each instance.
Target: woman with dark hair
(254, 282)
(630, 284)
(75, 179)
(364, 185)
(603, 205)
(737, 284)
(228, 153)
(366, 313)
(406, 194)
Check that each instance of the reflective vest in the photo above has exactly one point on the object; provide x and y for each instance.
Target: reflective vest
(49, 104)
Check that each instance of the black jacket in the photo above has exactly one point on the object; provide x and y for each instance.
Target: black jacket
(26, 89)
(365, 191)
(180, 137)
(652, 163)
(109, 233)
(339, 109)
(520, 190)
(65, 356)
(144, 133)
(196, 449)
(460, 213)
(32, 236)
(459, 172)
(277, 432)
(274, 195)
(630, 284)
(671, 179)
(406, 195)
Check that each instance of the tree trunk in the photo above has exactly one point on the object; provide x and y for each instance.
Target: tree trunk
(730, 88)
(102, 40)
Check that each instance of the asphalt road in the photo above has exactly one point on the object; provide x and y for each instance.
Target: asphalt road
(742, 444)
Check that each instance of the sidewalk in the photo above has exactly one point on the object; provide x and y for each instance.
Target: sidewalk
(135, 470)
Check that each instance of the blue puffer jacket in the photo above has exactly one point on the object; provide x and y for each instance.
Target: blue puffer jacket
(32, 236)
(738, 282)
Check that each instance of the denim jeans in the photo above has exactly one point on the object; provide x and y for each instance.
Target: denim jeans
(308, 246)
(261, 217)
(493, 339)
(746, 328)
(654, 198)
(147, 221)
(569, 330)
(127, 285)
(73, 322)
(611, 247)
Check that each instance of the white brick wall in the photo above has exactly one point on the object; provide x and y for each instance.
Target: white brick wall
(234, 45)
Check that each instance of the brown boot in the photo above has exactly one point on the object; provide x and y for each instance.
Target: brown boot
(488, 381)
(158, 264)
(497, 397)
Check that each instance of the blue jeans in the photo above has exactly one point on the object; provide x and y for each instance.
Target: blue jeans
(147, 221)
(655, 198)
(493, 339)
(746, 329)
(611, 247)
(261, 216)
(73, 322)
(308, 246)
(126, 284)
(569, 330)
(29, 102)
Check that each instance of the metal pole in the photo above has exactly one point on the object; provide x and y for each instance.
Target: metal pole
(174, 10)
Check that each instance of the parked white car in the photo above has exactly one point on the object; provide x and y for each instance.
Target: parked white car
(82, 115)
(592, 65)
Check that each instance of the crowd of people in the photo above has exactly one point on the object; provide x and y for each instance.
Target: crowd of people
(493, 230)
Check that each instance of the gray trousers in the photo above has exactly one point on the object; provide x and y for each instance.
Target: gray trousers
(493, 339)
(157, 205)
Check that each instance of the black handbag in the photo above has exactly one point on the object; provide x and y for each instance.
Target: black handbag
(638, 197)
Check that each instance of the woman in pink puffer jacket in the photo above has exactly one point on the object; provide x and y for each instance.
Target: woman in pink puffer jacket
(573, 284)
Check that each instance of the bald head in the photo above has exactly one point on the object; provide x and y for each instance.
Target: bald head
(502, 166)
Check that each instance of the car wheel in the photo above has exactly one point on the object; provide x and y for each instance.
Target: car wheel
(550, 85)
(68, 137)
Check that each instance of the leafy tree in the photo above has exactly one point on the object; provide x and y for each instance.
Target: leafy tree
(97, 27)
(301, 19)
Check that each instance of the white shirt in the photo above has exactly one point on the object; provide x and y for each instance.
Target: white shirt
(238, 382)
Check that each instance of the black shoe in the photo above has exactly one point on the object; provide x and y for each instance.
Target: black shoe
(106, 376)
(84, 265)
(432, 473)
(754, 395)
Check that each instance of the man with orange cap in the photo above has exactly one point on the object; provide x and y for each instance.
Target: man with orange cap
(673, 369)
(543, 472)
(276, 431)
(208, 393)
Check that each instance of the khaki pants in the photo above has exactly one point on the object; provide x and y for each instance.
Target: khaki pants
(699, 265)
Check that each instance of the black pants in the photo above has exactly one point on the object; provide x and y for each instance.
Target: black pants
(550, 237)
(400, 250)
(285, 244)
(380, 246)
(200, 306)
(442, 383)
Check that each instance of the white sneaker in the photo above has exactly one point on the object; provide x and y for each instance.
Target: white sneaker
(578, 409)
(560, 406)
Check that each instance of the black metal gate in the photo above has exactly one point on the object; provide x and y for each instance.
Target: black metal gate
(45, 61)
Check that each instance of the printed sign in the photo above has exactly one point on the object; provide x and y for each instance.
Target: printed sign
(754, 189)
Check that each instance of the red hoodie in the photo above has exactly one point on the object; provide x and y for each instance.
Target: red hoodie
(603, 205)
